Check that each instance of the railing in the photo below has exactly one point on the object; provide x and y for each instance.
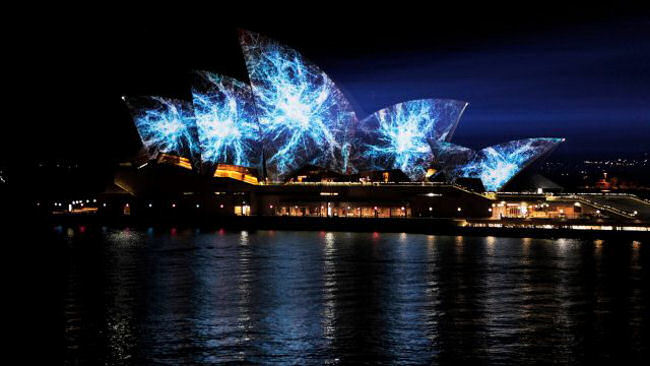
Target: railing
(605, 207)
(557, 226)
(582, 196)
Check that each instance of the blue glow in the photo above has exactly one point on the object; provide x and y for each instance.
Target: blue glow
(226, 122)
(293, 115)
(303, 116)
(448, 157)
(399, 137)
(448, 154)
(496, 165)
(167, 126)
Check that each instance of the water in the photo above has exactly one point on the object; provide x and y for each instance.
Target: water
(184, 296)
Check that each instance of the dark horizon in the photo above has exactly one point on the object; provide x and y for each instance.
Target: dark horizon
(573, 74)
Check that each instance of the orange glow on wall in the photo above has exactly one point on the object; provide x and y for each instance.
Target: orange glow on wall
(175, 160)
(236, 172)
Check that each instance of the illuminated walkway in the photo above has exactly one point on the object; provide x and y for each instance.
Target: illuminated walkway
(626, 203)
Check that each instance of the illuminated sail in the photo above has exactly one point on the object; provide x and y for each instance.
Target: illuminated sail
(399, 137)
(166, 126)
(225, 118)
(498, 164)
(304, 118)
(448, 157)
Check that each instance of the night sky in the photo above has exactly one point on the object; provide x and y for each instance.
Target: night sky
(583, 75)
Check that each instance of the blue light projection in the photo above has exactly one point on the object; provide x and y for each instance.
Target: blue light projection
(399, 137)
(166, 125)
(292, 115)
(496, 165)
(448, 157)
(226, 121)
(304, 118)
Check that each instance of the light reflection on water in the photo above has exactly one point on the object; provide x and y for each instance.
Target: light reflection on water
(184, 296)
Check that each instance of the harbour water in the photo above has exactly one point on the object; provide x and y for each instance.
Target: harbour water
(189, 296)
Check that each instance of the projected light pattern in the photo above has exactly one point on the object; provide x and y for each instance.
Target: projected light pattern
(166, 125)
(303, 116)
(399, 137)
(448, 156)
(225, 118)
(292, 116)
(496, 165)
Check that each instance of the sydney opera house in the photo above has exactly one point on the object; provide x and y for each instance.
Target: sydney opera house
(288, 142)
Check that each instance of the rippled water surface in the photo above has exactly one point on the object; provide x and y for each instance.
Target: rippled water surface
(184, 296)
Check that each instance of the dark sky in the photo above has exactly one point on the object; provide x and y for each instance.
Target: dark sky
(534, 71)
